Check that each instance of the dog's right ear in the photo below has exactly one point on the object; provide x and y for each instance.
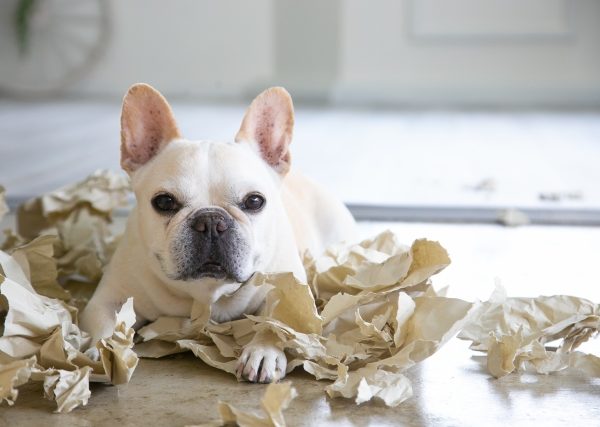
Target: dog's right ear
(147, 125)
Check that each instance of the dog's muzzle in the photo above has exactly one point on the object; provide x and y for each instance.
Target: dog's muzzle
(211, 246)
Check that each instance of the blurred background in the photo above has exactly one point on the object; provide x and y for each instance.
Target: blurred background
(440, 117)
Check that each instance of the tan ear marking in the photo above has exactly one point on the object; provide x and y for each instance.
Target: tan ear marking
(147, 125)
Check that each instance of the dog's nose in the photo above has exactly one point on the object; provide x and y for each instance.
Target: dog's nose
(211, 223)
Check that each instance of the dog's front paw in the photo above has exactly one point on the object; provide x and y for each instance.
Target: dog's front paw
(93, 353)
(263, 363)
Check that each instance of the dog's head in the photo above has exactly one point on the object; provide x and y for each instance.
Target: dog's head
(207, 209)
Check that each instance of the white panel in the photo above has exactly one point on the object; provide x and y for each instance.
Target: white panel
(448, 18)
(382, 63)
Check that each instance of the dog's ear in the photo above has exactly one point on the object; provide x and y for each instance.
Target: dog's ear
(147, 125)
(269, 122)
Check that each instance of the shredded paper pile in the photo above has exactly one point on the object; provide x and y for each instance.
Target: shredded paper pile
(367, 314)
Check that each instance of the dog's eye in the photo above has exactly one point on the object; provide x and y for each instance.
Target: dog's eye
(254, 202)
(165, 203)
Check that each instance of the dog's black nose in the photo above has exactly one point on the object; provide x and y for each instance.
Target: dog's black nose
(211, 222)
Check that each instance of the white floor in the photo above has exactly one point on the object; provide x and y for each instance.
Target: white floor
(379, 157)
(382, 157)
(528, 261)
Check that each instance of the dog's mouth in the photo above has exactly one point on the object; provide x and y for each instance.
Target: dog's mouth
(212, 269)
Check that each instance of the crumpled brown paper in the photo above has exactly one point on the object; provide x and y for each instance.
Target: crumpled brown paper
(519, 333)
(41, 342)
(68, 388)
(79, 215)
(367, 314)
(12, 375)
(40, 339)
(37, 261)
(100, 193)
(276, 399)
(377, 316)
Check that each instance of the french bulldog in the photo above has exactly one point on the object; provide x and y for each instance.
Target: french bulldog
(209, 215)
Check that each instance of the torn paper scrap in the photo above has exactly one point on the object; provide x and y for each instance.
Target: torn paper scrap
(69, 389)
(30, 315)
(3, 205)
(371, 382)
(434, 321)
(513, 217)
(100, 193)
(37, 261)
(79, 215)
(276, 399)
(12, 375)
(375, 265)
(290, 301)
(118, 358)
(521, 333)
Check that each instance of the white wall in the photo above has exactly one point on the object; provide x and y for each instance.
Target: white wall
(186, 47)
(398, 52)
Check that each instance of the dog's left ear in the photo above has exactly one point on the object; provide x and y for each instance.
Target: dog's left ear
(269, 122)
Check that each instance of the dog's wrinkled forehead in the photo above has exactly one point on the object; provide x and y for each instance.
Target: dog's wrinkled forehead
(205, 172)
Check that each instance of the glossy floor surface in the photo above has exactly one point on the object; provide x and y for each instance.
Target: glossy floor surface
(450, 389)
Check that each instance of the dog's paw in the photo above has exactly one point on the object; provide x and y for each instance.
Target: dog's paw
(93, 354)
(262, 363)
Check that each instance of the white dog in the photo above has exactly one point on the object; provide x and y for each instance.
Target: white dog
(209, 215)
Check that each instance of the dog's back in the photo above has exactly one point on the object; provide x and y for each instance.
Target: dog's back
(318, 218)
